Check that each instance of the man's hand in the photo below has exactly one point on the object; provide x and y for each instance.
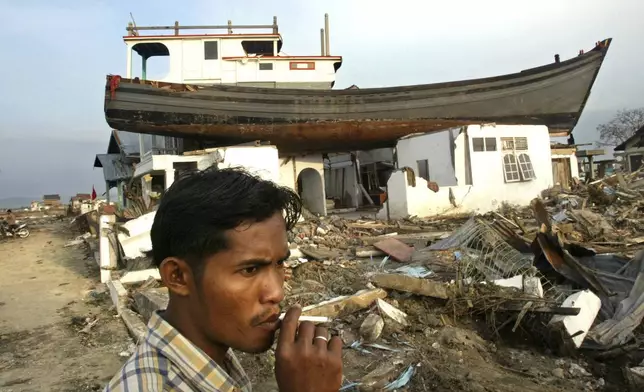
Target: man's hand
(303, 361)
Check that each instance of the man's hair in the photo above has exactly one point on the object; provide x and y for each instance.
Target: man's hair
(197, 210)
(8, 211)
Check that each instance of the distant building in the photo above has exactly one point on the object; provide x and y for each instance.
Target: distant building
(76, 202)
(633, 151)
(51, 200)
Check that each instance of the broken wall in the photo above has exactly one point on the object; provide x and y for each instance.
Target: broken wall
(305, 175)
(262, 161)
(436, 150)
(490, 186)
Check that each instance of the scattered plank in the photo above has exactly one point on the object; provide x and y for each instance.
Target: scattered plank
(408, 284)
(344, 305)
(396, 249)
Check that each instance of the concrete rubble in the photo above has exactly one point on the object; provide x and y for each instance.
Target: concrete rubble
(421, 303)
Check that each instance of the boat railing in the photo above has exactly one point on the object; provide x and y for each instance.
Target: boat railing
(134, 30)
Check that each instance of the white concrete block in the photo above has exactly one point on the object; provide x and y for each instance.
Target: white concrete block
(392, 312)
(139, 240)
(140, 276)
(105, 248)
(532, 287)
(515, 281)
(589, 304)
(118, 294)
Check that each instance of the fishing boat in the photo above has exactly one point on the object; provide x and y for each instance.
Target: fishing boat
(295, 108)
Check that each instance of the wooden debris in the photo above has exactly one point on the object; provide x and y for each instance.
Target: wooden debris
(371, 327)
(408, 284)
(319, 254)
(369, 251)
(395, 249)
(392, 312)
(344, 305)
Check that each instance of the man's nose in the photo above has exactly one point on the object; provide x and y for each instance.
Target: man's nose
(273, 289)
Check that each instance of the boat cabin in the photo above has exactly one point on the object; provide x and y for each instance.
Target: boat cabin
(243, 59)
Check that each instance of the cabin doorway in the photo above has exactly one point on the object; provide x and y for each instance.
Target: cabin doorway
(153, 61)
(311, 191)
(211, 68)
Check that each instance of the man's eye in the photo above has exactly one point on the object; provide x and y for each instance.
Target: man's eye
(250, 271)
(281, 263)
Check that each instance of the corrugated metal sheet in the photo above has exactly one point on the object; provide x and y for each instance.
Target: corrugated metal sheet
(114, 167)
(128, 142)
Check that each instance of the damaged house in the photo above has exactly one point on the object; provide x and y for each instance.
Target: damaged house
(633, 151)
(123, 152)
(477, 168)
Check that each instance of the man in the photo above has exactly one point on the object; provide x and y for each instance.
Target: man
(11, 221)
(219, 240)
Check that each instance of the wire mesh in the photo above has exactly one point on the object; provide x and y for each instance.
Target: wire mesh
(483, 255)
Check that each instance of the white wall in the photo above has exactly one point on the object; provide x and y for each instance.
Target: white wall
(437, 148)
(488, 190)
(289, 170)
(260, 160)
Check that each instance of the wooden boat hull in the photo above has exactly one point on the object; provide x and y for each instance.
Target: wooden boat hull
(357, 119)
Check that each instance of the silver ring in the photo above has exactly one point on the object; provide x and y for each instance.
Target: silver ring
(322, 337)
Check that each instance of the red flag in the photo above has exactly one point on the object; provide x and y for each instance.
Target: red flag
(93, 193)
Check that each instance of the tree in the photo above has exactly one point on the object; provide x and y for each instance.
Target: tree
(624, 125)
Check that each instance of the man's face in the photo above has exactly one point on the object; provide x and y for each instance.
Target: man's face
(242, 286)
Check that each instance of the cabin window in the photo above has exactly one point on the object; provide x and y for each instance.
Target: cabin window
(265, 66)
(423, 169)
(259, 48)
(484, 144)
(211, 50)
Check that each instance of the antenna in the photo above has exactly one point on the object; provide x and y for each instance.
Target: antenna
(134, 30)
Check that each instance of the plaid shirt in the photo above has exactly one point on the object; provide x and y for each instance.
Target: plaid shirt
(166, 361)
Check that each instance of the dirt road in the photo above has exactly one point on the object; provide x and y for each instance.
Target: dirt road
(48, 294)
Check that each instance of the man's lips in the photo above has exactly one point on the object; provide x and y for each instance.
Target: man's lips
(271, 323)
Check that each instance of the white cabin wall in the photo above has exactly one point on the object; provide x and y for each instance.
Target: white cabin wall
(191, 69)
(187, 64)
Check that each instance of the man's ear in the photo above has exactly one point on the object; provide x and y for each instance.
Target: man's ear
(177, 276)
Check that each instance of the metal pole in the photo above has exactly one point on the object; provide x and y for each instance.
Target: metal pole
(322, 47)
(144, 68)
(326, 32)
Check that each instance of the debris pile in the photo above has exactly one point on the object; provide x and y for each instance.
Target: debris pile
(549, 294)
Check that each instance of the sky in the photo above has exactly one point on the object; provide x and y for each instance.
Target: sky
(56, 54)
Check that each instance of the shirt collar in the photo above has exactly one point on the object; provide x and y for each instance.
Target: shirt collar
(194, 364)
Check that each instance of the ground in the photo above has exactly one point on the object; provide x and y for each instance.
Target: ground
(59, 332)
(48, 294)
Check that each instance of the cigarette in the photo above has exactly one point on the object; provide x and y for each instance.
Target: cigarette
(313, 319)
